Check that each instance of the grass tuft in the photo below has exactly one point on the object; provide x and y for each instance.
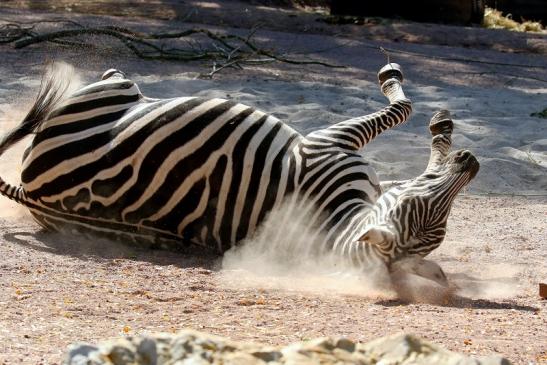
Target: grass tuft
(494, 19)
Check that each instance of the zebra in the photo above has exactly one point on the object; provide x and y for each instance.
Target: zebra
(106, 160)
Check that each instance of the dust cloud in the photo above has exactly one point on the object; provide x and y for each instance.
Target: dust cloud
(286, 254)
(12, 114)
(496, 281)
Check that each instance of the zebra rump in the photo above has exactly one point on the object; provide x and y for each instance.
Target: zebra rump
(109, 161)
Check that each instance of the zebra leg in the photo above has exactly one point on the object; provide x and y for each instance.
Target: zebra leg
(354, 133)
(441, 127)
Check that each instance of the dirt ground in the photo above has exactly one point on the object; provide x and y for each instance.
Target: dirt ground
(58, 290)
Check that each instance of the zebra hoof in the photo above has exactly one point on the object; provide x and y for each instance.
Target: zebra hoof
(391, 70)
(113, 73)
(441, 123)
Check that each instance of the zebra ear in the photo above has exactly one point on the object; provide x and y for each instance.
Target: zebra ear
(380, 235)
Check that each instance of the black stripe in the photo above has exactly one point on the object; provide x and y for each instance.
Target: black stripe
(327, 138)
(215, 184)
(77, 126)
(26, 153)
(237, 171)
(85, 106)
(336, 156)
(57, 155)
(275, 179)
(254, 183)
(82, 195)
(108, 187)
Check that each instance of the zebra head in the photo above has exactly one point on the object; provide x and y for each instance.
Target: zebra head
(410, 219)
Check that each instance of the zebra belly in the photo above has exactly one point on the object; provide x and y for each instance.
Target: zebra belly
(191, 169)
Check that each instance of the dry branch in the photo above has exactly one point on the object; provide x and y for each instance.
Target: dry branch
(224, 50)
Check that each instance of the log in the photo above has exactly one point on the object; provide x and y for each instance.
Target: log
(436, 11)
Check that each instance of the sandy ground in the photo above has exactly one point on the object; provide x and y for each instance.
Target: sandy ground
(58, 290)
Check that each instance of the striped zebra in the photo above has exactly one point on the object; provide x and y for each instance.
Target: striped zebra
(106, 160)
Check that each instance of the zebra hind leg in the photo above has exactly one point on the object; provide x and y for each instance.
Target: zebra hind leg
(441, 127)
(353, 134)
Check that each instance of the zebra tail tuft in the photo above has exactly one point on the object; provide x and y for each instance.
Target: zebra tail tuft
(53, 88)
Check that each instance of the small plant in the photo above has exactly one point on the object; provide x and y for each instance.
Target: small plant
(495, 19)
(541, 114)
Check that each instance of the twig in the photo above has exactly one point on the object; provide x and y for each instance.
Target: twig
(458, 59)
(386, 53)
(225, 50)
(217, 69)
(481, 73)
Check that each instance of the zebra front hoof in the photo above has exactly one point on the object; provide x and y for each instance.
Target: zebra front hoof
(389, 71)
(441, 123)
(113, 73)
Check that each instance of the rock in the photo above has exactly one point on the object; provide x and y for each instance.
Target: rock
(80, 353)
(408, 349)
(191, 347)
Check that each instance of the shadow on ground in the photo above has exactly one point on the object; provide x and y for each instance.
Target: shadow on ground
(184, 256)
(457, 301)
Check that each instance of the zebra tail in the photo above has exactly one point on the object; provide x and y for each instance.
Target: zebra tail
(52, 91)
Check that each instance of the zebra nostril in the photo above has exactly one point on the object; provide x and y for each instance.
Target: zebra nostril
(461, 156)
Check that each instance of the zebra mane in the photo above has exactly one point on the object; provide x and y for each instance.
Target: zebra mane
(53, 88)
